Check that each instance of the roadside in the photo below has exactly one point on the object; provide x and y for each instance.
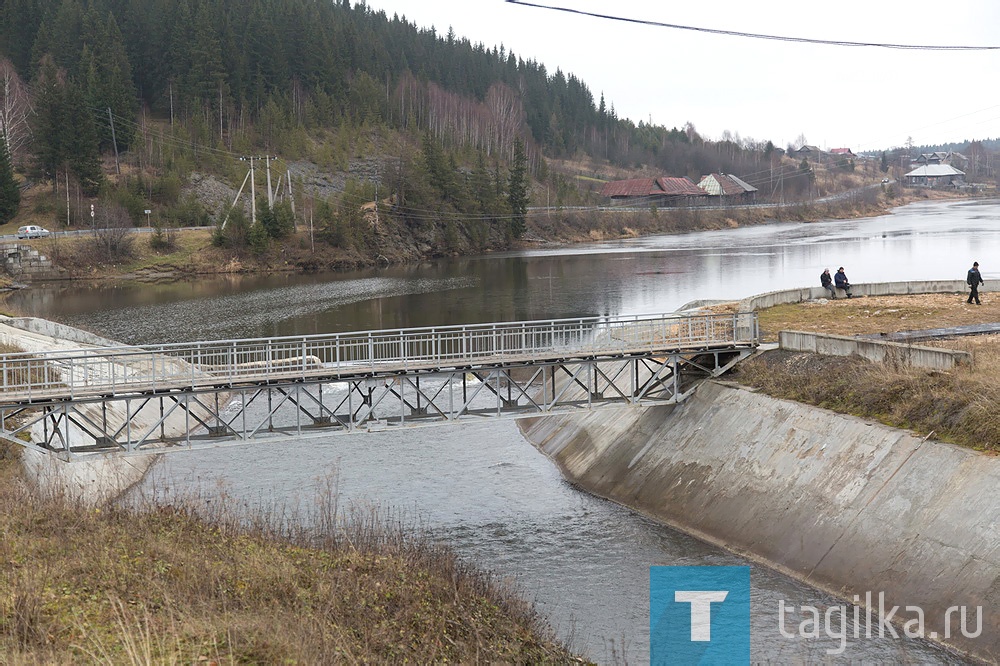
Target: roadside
(957, 406)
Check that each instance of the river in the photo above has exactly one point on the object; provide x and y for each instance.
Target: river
(481, 487)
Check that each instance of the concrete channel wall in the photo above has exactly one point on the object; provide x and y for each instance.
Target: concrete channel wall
(879, 351)
(92, 479)
(845, 504)
(770, 299)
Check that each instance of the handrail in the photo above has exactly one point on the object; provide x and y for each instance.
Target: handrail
(120, 368)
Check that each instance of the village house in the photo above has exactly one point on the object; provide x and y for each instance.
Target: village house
(811, 153)
(955, 159)
(728, 186)
(663, 191)
(936, 175)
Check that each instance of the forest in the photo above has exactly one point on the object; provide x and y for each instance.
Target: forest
(174, 86)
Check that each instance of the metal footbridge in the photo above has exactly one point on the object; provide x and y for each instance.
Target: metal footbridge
(134, 399)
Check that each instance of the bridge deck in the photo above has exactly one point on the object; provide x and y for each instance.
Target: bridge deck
(137, 399)
(115, 371)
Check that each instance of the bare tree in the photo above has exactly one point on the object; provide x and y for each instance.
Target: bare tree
(15, 108)
(114, 240)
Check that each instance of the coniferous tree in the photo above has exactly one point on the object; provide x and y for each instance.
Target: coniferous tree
(80, 140)
(65, 136)
(277, 221)
(205, 81)
(10, 195)
(482, 187)
(107, 76)
(50, 154)
(517, 191)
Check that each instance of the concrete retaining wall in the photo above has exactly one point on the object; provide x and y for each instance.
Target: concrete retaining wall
(770, 299)
(847, 505)
(92, 479)
(879, 351)
(23, 261)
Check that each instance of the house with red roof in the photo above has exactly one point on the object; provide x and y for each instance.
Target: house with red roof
(663, 191)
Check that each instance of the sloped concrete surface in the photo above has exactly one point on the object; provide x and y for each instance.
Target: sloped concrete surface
(94, 478)
(847, 505)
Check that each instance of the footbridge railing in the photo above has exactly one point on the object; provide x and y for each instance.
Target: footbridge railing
(130, 398)
(71, 374)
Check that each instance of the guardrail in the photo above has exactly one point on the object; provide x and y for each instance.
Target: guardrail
(113, 370)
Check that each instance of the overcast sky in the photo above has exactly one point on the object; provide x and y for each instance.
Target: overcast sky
(856, 97)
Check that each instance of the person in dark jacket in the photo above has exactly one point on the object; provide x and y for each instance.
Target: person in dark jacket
(826, 280)
(841, 281)
(974, 279)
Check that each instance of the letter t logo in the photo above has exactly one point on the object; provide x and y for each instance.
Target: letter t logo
(701, 610)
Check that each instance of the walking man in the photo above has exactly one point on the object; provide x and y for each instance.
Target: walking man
(974, 279)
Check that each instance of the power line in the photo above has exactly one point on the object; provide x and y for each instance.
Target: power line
(754, 35)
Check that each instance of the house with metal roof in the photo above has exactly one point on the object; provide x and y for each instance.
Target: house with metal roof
(936, 175)
(663, 191)
(842, 152)
(810, 152)
(727, 185)
(955, 159)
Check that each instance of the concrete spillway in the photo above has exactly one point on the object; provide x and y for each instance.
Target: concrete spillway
(848, 505)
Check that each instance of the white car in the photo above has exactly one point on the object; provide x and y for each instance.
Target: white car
(32, 231)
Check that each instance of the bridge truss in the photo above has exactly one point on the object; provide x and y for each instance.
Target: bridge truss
(208, 393)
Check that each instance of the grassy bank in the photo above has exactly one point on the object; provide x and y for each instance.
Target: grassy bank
(194, 582)
(957, 406)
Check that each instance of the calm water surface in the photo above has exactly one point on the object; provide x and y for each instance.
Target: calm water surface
(482, 487)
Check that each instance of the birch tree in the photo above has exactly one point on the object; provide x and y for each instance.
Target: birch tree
(15, 109)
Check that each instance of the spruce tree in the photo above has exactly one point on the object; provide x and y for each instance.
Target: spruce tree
(80, 141)
(10, 195)
(107, 76)
(48, 122)
(517, 191)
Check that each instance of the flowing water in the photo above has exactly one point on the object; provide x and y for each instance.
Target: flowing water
(480, 486)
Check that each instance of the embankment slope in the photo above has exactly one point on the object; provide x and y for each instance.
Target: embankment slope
(847, 505)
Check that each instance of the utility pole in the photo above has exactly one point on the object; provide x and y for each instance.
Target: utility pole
(270, 197)
(253, 196)
(111, 120)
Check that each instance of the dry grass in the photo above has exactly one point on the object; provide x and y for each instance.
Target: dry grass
(194, 581)
(955, 406)
(879, 314)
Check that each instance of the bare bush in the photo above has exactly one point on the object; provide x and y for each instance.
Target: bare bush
(113, 242)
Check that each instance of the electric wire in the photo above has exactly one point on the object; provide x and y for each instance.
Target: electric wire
(754, 35)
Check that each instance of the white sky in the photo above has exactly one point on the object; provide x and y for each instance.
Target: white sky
(856, 97)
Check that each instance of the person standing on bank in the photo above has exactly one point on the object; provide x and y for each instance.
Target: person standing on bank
(974, 279)
(826, 280)
(841, 280)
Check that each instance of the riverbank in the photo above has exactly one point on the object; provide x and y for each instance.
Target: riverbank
(89, 576)
(954, 406)
(187, 254)
(195, 580)
(847, 504)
